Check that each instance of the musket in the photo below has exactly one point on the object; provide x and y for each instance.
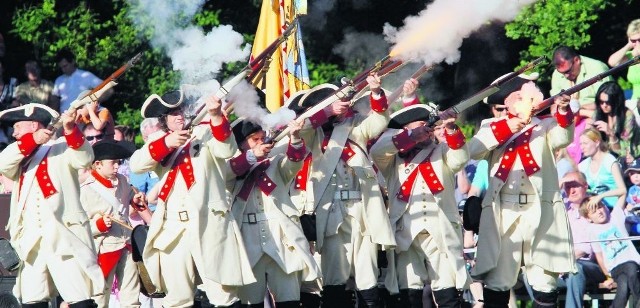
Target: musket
(395, 95)
(95, 93)
(486, 92)
(249, 72)
(576, 88)
(348, 89)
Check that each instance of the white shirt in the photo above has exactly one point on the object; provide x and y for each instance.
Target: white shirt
(68, 88)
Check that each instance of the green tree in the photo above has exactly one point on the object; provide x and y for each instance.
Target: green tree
(550, 23)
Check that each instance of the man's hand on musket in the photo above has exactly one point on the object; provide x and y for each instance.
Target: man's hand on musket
(262, 150)
(214, 108)
(68, 120)
(337, 108)
(42, 136)
(516, 124)
(294, 130)
(449, 120)
(561, 103)
(107, 220)
(421, 133)
(374, 83)
(409, 88)
(177, 138)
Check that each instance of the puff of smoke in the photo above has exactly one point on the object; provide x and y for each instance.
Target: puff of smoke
(196, 55)
(436, 33)
(357, 48)
(245, 102)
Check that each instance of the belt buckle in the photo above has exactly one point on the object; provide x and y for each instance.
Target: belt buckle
(523, 199)
(344, 195)
(184, 215)
(252, 219)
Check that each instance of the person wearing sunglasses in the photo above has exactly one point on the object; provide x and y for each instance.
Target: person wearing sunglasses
(616, 121)
(92, 134)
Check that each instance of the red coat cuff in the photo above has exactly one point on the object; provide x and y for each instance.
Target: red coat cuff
(318, 119)
(403, 141)
(380, 104)
(501, 130)
(566, 119)
(239, 164)
(75, 139)
(102, 227)
(27, 144)
(223, 131)
(410, 102)
(159, 149)
(296, 154)
(455, 140)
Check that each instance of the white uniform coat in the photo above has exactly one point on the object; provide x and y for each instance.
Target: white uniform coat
(443, 220)
(551, 247)
(220, 254)
(71, 235)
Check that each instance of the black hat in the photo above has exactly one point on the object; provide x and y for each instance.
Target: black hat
(633, 166)
(471, 214)
(111, 149)
(511, 86)
(294, 101)
(156, 106)
(404, 116)
(314, 96)
(29, 112)
(243, 129)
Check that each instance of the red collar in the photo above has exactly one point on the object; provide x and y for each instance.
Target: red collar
(102, 180)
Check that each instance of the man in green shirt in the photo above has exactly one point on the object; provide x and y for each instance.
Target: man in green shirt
(571, 69)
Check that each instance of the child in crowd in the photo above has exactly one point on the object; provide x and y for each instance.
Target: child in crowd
(615, 253)
(633, 195)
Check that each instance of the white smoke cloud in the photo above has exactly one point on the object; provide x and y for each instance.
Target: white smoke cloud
(197, 55)
(362, 48)
(436, 33)
(245, 100)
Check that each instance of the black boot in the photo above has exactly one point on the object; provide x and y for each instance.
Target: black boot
(369, 298)
(36, 305)
(545, 299)
(309, 300)
(495, 299)
(289, 304)
(447, 298)
(87, 303)
(335, 297)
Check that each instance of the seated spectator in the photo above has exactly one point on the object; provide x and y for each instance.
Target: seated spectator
(589, 274)
(99, 117)
(630, 49)
(601, 169)
(617, 256)
(145, 181)
(92, 134)
(35, 89)
(616, 122)
(124, 133)
(7, 92)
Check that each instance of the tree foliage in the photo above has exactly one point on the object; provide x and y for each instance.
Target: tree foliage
(550, 23)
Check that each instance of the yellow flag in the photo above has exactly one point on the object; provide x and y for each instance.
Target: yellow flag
(287, 71)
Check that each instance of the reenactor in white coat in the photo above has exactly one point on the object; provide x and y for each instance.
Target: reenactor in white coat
(193, 235)
(523, 218)
(420, 175)
(109, 201)
(342, 187)
(278, 250)
(48, 227)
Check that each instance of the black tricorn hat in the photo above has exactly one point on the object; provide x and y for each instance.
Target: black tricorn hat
(155, 105)
(511, 86)
(404, 116)
(243, 128)
(29, 112)
(111, 149)
(314, 96)
(293, 102)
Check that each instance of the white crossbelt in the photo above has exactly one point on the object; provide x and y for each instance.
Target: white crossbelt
(347, 195)
(517, 198)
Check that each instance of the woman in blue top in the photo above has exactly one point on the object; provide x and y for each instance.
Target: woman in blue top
(601, 169)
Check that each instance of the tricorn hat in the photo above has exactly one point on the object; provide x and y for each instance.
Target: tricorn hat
(314, 96)
(413, 113)
(293, 102)
(242, 128)
(511, 86)
(29, 112)
(155, 105)
(111, 149)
